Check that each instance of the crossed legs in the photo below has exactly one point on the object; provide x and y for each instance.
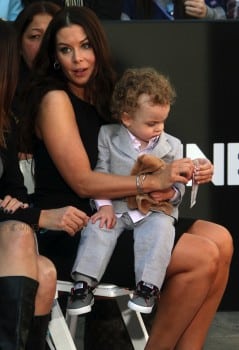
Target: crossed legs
(18, 257)
(195, 283)
(28, 283)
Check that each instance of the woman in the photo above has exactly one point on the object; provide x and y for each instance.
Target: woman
(31, 24)
(27, 280)
(70, 89)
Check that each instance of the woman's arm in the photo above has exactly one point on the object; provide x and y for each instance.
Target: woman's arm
(11, 179)
(13, 193)
(69, 219)
(200, 9)
(57, 127)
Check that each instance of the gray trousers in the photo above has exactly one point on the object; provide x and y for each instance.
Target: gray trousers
(153, 242)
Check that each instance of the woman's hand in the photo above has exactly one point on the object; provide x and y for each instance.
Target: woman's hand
(180, 170)
(203, 171)
(164, 195)
(10, 204)
(69, 219)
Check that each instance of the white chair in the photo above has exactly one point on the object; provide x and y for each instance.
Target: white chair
(26, 169)
(62, 330)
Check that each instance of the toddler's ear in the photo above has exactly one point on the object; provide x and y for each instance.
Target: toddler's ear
(126, 119)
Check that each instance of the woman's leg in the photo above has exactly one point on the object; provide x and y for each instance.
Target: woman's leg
(18, 283)
(17, 250)
(43, 304)
(193, 288)
(20, 262)
(197, 330)
(18, 257)
(47, 286)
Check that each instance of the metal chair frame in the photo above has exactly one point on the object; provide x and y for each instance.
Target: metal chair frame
(62, 330)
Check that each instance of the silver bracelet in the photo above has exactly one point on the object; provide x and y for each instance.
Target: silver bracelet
(139, 183)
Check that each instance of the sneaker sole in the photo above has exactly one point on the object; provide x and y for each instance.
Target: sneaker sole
(80, 311)
(142, 309)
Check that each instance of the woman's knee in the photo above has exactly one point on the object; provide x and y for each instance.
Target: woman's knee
(47, 286)
(46, 276)
(17, 236)
(224, 241)
(209, 257)
(218, 234)
(195, 257)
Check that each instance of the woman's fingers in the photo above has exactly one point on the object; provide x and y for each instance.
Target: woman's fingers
(72, 219)
(203, 171)
(10, 204)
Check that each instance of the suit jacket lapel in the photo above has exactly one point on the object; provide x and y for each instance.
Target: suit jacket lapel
(123, 142)
(162, 148)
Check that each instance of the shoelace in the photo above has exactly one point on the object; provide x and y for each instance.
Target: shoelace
(146, 292)
(80, 293)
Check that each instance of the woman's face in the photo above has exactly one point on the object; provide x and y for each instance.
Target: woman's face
(76, 57)
(32, 37)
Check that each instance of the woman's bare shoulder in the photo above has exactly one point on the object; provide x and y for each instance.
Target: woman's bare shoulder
(55, 95)
(55, 106)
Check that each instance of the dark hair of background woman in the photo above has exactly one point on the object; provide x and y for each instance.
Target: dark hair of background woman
(9, 63)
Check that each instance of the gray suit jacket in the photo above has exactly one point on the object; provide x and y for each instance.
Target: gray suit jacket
(117, 155)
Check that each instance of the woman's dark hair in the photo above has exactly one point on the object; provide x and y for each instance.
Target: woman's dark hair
(25, 17)
(45, 78)
(9, 63)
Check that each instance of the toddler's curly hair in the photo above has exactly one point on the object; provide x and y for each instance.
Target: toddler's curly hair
(135, 82)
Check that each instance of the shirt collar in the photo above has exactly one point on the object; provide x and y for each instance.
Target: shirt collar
(152, 142)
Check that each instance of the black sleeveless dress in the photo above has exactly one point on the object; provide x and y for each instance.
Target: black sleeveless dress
(51, 191)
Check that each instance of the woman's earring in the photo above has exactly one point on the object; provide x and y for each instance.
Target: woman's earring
(56, 65)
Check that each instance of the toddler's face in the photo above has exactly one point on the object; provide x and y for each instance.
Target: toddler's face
(148, 120)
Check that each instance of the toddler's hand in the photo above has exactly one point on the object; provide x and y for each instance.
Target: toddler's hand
(106, 215)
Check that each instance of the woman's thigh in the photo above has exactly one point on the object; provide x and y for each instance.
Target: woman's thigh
(61, 249)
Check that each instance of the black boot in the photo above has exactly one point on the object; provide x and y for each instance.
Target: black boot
(37, 334)
(17, 302)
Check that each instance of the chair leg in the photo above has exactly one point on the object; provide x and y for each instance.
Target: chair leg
(134, 323)
(71, 321)
(133, 320)
(59, 333)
